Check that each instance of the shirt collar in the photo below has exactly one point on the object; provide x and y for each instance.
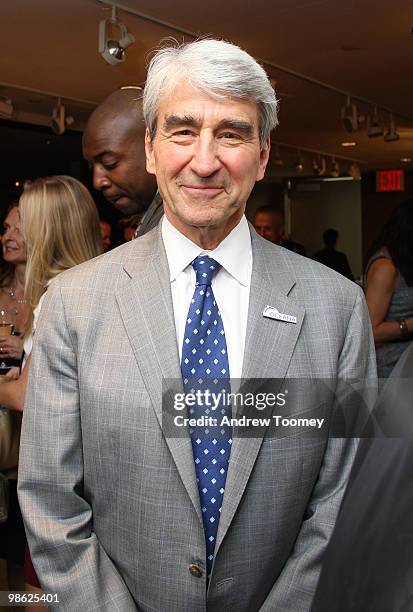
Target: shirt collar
(234, 253)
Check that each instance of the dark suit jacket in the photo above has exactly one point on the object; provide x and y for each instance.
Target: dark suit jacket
(368, 565)
(152, 216)
(336, 261)
(296, 247)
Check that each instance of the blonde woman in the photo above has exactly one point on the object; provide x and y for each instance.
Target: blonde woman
(14, 311)
(60, 225)
(13, 307)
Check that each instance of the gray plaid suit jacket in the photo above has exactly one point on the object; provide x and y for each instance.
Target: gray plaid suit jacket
(111, 506)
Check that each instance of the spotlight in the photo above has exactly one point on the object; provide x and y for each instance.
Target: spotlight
(374, 125)
(354, 171)
(334, 168)
(319, 166)
(113, 50)
(60, 121)
(299, 164)
(6, 107)
(391, 135)
(350, 117)
(278, 161)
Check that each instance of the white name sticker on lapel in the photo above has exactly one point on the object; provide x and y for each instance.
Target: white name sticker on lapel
(272, 313)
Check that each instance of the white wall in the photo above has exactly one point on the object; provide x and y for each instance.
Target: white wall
(336, 205)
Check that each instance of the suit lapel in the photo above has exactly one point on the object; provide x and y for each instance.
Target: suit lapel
(269, 346)
(146, 308)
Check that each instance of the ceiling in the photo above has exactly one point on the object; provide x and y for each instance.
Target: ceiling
(365, 48)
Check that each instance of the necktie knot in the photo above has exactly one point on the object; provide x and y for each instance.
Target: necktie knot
(205, 268)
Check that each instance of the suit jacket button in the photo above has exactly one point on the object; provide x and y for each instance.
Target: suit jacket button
(195, 570)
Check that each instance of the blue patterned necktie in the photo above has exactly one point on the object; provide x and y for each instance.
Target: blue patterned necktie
(204, 365)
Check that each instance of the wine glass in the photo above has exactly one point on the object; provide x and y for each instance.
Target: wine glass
(6, 329)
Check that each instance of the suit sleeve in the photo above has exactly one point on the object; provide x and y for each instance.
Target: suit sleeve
(66, 553)
(295, 587)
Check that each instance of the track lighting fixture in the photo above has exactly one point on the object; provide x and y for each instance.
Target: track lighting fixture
(334, 168)
(278, 161)
(6, 107)
(391, 135)
(354, 171)
(350, 117)
(319, 166)
(111, 49)
(60, 121)
(299, 164)
(374, 125)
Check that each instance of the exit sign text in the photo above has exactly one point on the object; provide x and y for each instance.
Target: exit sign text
(390, 180)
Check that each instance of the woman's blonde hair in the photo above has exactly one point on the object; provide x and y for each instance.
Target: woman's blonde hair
(60, 225)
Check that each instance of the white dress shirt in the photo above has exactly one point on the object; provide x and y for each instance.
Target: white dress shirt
(231, 284)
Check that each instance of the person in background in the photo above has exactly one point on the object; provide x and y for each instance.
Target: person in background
(113, 144)
(106, 233)
(129, 226)
(269, 223)
(13, 305)
(368, 563)
(389, 288)
(60, 224)
(329, 256)
(15, 309)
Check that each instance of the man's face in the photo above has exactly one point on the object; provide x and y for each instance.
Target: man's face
(206, 157)
(117, 159)
(269, 225)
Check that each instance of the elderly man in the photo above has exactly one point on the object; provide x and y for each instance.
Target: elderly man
(122, 514)
(113, 145)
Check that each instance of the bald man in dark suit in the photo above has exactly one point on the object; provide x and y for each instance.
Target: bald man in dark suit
(113, 145)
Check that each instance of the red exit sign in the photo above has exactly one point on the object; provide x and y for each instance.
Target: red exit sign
(390, 180)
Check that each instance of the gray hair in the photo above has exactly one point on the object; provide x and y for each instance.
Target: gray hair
(216, 67)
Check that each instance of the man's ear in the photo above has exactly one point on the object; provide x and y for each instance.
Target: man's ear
(150, 160)
(264, 157)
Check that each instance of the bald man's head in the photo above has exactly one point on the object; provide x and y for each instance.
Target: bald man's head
(113, 144)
